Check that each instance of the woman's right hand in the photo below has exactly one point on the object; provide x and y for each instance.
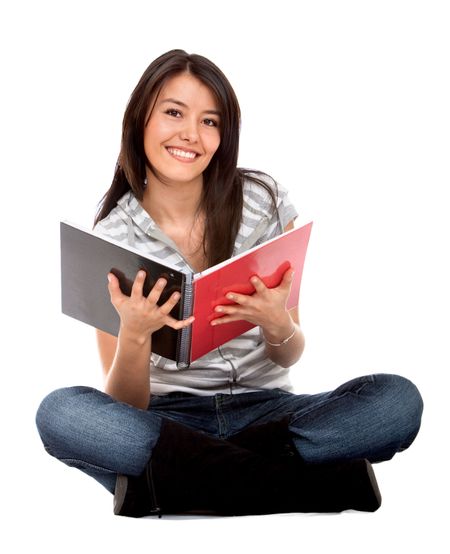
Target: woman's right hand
(140, 315)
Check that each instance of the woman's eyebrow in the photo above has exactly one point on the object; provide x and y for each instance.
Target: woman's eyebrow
(183, 105)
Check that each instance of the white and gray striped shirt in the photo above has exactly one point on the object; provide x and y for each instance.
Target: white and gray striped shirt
(240, 365)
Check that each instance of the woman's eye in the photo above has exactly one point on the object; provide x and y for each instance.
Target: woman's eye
(210, 122)
(174, 113)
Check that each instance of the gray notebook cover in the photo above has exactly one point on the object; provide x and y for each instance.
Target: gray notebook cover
(86, 260)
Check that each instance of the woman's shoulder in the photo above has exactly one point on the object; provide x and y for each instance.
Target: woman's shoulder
(261, 190)
(115, 223)
(267, 208)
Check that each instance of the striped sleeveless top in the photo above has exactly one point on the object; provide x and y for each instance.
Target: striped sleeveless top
(239, 365)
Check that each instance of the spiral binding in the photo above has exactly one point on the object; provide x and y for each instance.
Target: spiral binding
(185, 337)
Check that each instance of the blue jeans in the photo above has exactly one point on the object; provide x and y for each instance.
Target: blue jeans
(370, 417)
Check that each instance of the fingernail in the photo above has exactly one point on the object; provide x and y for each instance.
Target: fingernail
(141, 274)
(109, 278)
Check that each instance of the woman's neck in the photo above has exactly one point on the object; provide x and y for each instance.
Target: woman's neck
(175, 209)
(172, 203)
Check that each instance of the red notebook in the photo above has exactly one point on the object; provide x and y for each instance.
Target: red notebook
(87, 258)
(268, 261)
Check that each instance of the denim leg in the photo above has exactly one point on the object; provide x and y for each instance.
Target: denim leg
(87, 429)
(370, 417)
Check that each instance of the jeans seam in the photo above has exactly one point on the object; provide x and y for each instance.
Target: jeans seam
(79, 463)
(75, 462)
(221, 420)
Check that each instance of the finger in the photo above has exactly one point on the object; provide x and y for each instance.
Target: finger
(229, 310)
(225, 319)
(179, 323)
(241, 299)
(114, 289)
(287, 279)
(155, 293)
(258, 284)
(168, 306)
(138, 285)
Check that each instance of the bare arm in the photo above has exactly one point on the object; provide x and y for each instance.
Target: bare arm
(126, 359)
(126, 367)
(289, 353)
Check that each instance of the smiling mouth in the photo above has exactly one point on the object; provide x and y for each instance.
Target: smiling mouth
(182, 154)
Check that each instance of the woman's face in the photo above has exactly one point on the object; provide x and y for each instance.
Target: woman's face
(183, 131)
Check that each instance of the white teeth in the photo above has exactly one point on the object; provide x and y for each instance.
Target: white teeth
(182, 153)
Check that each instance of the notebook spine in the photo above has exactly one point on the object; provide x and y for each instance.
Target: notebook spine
(184, 343)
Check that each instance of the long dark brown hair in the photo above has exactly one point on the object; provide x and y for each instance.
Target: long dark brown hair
(222, 197)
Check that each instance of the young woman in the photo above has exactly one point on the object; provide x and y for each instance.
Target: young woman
(226, 435)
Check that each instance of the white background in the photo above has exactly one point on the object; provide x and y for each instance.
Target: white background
(344, 102)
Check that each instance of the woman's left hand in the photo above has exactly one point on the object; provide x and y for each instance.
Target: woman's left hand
(265, 307)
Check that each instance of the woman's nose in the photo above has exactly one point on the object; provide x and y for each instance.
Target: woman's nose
(189, 131)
